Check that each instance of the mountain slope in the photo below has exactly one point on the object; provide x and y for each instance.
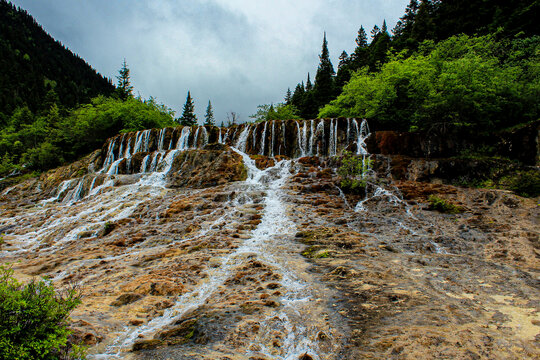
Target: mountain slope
(32, 63)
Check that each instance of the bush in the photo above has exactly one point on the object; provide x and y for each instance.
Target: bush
(524, 183)
(34, 318)
(442, 205)
(353, 171)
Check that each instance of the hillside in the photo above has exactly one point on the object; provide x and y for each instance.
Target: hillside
(32, 63)
(245, 243)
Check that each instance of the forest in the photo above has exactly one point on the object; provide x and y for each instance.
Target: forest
(466, 64)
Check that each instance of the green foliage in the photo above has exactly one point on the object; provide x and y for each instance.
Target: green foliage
(45, 140)
(354, 170)
(442, 205)
(458, 82)
(523, 183)
(281, 111)
(34, 319)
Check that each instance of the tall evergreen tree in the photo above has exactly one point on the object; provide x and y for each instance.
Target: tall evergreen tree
(309, 86)
(188, 114)
(323, 89)
(344, 72)
(124, 88)
(374, 32)
(209, 116)
(297, 98)
(378, 48)
(288, 96)
(359, 58)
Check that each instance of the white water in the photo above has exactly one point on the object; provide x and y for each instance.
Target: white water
(266, 241)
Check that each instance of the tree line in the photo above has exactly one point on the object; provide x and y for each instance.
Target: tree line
(414, 76)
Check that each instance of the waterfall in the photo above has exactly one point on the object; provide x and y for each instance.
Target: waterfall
(254, 136)
(335, 136)
(284, 127)
(320, 130)
(110, 153)
(194, 146)
(242, 139)
(142, 141)
(183, 140)
(331, 144)
(144, 164)
(220, 140)
(205, 137)
(304, 138)
(300, 140)
(161, 139)
(263, 139)
(362, 133)
(120, 151)
(128, 148)
(311, 137)
(273, 139)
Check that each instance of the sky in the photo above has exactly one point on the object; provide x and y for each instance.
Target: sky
(236, 53)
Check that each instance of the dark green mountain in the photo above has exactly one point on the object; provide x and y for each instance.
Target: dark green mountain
(32, 64)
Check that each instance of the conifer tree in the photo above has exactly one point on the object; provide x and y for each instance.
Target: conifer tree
(343, 59)
(374, 32)
(359, 58)
(297, 98)
(309, 86)
(288, 96)
(124, 88)
(209, 116)
(188, 114)
(324, 79)
(343, 74)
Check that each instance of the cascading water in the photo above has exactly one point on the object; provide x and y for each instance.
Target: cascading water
(242, 139)
(263, 139)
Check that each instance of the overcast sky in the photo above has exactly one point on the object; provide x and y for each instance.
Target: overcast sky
(236, 53)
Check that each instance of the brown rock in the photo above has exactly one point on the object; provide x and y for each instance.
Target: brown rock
(125, 299)
(146, 344)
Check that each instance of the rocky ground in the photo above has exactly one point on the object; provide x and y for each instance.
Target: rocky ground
(285, 266)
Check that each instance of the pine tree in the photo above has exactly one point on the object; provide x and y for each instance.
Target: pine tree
(343, 60)
(378, 49)
(297, 98)
(324, 79)
(361, 39)
(209, 116)
(384, 28)
(124, 88)
(309, 86)
(374, 32)
(188, 114)
(288, 96)
(343, 74)
(359, 58)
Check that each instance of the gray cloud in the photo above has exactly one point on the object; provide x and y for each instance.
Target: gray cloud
(237, 53)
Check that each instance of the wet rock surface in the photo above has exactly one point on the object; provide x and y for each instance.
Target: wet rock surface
(222, 260)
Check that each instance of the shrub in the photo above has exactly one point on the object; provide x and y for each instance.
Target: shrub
(33, 319)
(353, 171)
(442, 205)
(524, 183)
